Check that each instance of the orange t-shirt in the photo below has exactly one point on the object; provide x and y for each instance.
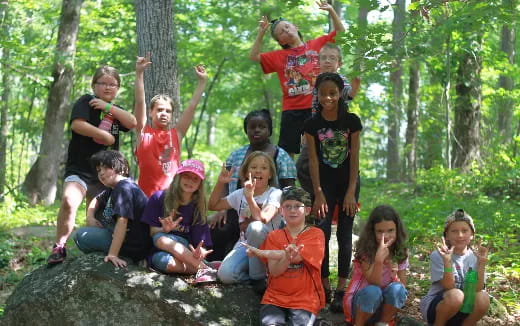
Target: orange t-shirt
(299, 287)
(158, 156)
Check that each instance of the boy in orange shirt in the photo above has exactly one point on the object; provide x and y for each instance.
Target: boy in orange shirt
(293, 255)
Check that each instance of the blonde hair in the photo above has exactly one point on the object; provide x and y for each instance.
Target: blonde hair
(173, 199)
(108, 71)
(242, 173)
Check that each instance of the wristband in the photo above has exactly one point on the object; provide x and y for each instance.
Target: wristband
(108, 107)
(448, 269)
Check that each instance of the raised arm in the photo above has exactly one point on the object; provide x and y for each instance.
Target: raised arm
(216, 202)
(336, 21)
(355, 83)
(140, 104)
(187, 116)
(263, 26)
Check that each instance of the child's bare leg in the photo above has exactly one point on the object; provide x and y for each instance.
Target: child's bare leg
(342, 283)
(73, 194)
(362, 317)
(325, 282)
(177, 266)
(479, 309)
(448, 307)
(180, 252)
(388, 313)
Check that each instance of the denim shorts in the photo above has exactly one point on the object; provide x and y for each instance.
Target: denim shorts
(161, 258)
(370, 299)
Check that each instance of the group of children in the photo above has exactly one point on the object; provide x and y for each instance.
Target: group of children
(163, 218)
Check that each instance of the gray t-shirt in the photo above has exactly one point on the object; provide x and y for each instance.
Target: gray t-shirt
(460, 264)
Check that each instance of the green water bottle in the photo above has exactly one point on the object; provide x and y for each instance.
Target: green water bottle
(470, 289)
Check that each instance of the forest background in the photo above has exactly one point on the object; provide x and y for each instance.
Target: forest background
(438, 101)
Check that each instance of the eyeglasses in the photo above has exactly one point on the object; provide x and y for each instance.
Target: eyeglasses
(291, 207)
(331, 58)
(110, 86)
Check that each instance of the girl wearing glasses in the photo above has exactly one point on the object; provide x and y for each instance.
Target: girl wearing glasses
(87, 139)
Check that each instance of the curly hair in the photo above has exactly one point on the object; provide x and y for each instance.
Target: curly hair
(366, 246)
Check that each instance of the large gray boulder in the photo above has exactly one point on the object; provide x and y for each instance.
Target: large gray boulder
(86, 291)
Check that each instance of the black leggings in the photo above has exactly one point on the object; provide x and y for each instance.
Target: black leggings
(334, 195)
(225, 237)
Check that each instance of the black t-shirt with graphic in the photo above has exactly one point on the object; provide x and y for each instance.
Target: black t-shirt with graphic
(126, 200)
(81, 148)
(332, 140)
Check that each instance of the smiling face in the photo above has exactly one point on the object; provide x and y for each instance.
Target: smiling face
(459, 236)
(328, 97)
(106, 88)
(260, 170)
(257, 130)
(161, 114)
(189, 182)
(388, 229)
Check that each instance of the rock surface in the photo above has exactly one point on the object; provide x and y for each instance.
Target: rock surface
(87, 291)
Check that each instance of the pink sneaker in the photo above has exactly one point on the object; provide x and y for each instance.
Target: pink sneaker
(206, 275)
(214, 264)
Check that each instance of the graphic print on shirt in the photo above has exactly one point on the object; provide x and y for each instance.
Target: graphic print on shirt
(300, 72)
(165, 157)
(106, 217)
(333, 146)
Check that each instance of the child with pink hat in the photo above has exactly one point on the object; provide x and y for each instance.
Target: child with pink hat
(178, 226)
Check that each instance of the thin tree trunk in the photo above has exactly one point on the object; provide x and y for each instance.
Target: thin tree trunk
(5, 101)
(506, 104)
(395, 105)
(156, 34)
(210, 137)
(447, 104)
(466, 146)
(40, 182)
(190, 147)
(412, 114)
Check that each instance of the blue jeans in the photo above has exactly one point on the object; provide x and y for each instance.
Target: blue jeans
(161, 259)
(371, 299)
(236, 266)
(91, 238)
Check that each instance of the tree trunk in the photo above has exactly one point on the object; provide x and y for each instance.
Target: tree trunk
(447, 103)
(412, 113)
(191, 146)
(156, 34)
(5, 102)
(394, 107)
(40, 182)
(506, 103)
(466, 142)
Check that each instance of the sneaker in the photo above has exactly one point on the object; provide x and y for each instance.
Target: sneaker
(57, 255)
(259, 286)
(213, 264)
(337, 302)
(206, 275)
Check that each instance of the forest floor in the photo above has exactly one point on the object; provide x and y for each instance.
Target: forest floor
(34, 243)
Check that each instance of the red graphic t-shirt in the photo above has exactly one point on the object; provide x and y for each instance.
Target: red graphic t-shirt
(297, 69)
(158, 156)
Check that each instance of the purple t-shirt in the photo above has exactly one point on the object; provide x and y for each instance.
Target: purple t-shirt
(193, 233)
